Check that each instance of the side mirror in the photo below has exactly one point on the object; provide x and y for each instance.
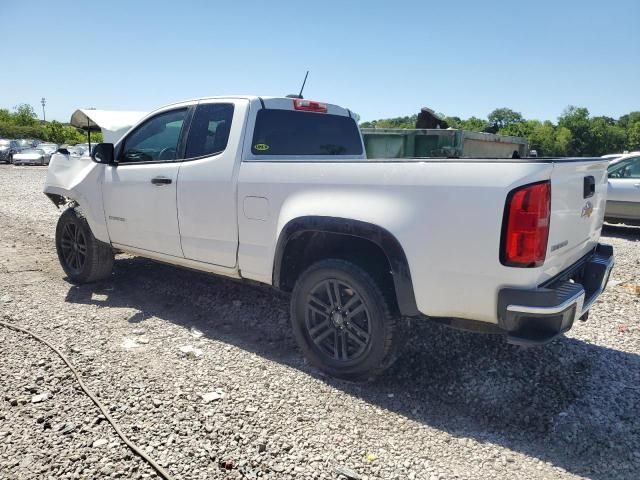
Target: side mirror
(103, 153)
(63, 151)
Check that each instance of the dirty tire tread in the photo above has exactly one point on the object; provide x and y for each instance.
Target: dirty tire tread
(392, 332)
(100, 257)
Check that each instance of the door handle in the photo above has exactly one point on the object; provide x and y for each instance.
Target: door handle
(637, 185)
(161, 181)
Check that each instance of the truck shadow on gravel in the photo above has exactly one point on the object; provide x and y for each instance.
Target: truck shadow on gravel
(625, 232)
(572, 404)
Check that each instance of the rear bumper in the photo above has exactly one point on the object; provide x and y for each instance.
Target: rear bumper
(536, 316)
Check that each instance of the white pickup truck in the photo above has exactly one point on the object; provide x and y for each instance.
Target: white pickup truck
(279, 191)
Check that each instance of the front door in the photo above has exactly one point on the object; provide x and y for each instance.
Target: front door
(139, 193)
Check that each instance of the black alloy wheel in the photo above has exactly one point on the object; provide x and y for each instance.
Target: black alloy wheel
(338, 321)
(342, 321)
(74, 247)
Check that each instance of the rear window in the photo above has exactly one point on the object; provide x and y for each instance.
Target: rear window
(209, 131)
(288, 132)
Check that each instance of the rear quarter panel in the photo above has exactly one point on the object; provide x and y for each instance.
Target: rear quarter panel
(447, 216)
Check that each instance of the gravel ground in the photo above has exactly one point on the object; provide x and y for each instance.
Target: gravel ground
(245, 405)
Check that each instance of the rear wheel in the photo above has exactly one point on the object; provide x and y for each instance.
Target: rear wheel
(83, 258)
(342, 321)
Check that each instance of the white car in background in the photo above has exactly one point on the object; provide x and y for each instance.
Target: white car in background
(49, 149)
(31, 156)
(623, 199)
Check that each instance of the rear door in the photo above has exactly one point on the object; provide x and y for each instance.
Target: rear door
(623, 201)
(207, 206)
(578, 199)
(139, 194)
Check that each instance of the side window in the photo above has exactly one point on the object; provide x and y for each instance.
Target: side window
(634, 168)
(209, 130)
(628, 168)
(155, 140)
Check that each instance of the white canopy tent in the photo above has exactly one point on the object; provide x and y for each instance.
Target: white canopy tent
(113, 123)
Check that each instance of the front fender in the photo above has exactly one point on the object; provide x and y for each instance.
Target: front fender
(79, 180)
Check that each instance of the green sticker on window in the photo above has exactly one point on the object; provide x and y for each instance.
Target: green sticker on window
(261, 147)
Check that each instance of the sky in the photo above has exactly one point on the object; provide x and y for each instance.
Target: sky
(379, 58)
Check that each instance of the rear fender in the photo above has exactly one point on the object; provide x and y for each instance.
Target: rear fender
(344, 226)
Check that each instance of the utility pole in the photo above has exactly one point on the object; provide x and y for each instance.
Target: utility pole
(43, 102)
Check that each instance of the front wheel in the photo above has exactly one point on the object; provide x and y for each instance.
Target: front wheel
(342, 321)
(83, 258)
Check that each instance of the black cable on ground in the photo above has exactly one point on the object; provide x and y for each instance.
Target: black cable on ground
(161, 471)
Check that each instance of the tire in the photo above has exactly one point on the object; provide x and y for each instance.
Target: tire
(83, 258)
(354, 338)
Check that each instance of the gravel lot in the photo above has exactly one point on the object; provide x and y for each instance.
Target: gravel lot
(456, 405)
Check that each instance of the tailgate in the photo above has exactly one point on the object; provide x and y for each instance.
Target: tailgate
(578, 200)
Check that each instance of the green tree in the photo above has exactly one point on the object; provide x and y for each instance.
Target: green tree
(397, 122)
(96, 137)
(5, 116)
(605, 136)
(543, 138)
(24, 115)
(474, 124)
(520, 129)
(627, 121)
(577, 121)
(563, 141)
(503, 117)
(72, 135)
(633, 137)
(453, 122)
(55, 132)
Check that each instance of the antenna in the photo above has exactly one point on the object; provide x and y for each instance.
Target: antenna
(303, 84)
(301, 88)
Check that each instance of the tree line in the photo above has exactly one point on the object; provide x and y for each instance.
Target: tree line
(576, 133)
(23, 122)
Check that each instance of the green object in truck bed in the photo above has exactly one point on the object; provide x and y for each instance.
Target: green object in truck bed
(451, 143)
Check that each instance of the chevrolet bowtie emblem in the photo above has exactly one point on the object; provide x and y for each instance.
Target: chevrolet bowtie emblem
(587, 210)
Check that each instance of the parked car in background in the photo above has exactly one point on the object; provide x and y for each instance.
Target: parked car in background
(31, 156)
(25, 143)
(8, 148)
(623, 202)
(83, 148)
(49, 149)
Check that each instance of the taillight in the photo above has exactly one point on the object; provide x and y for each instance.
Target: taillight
(309, 105)
(526, 226)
